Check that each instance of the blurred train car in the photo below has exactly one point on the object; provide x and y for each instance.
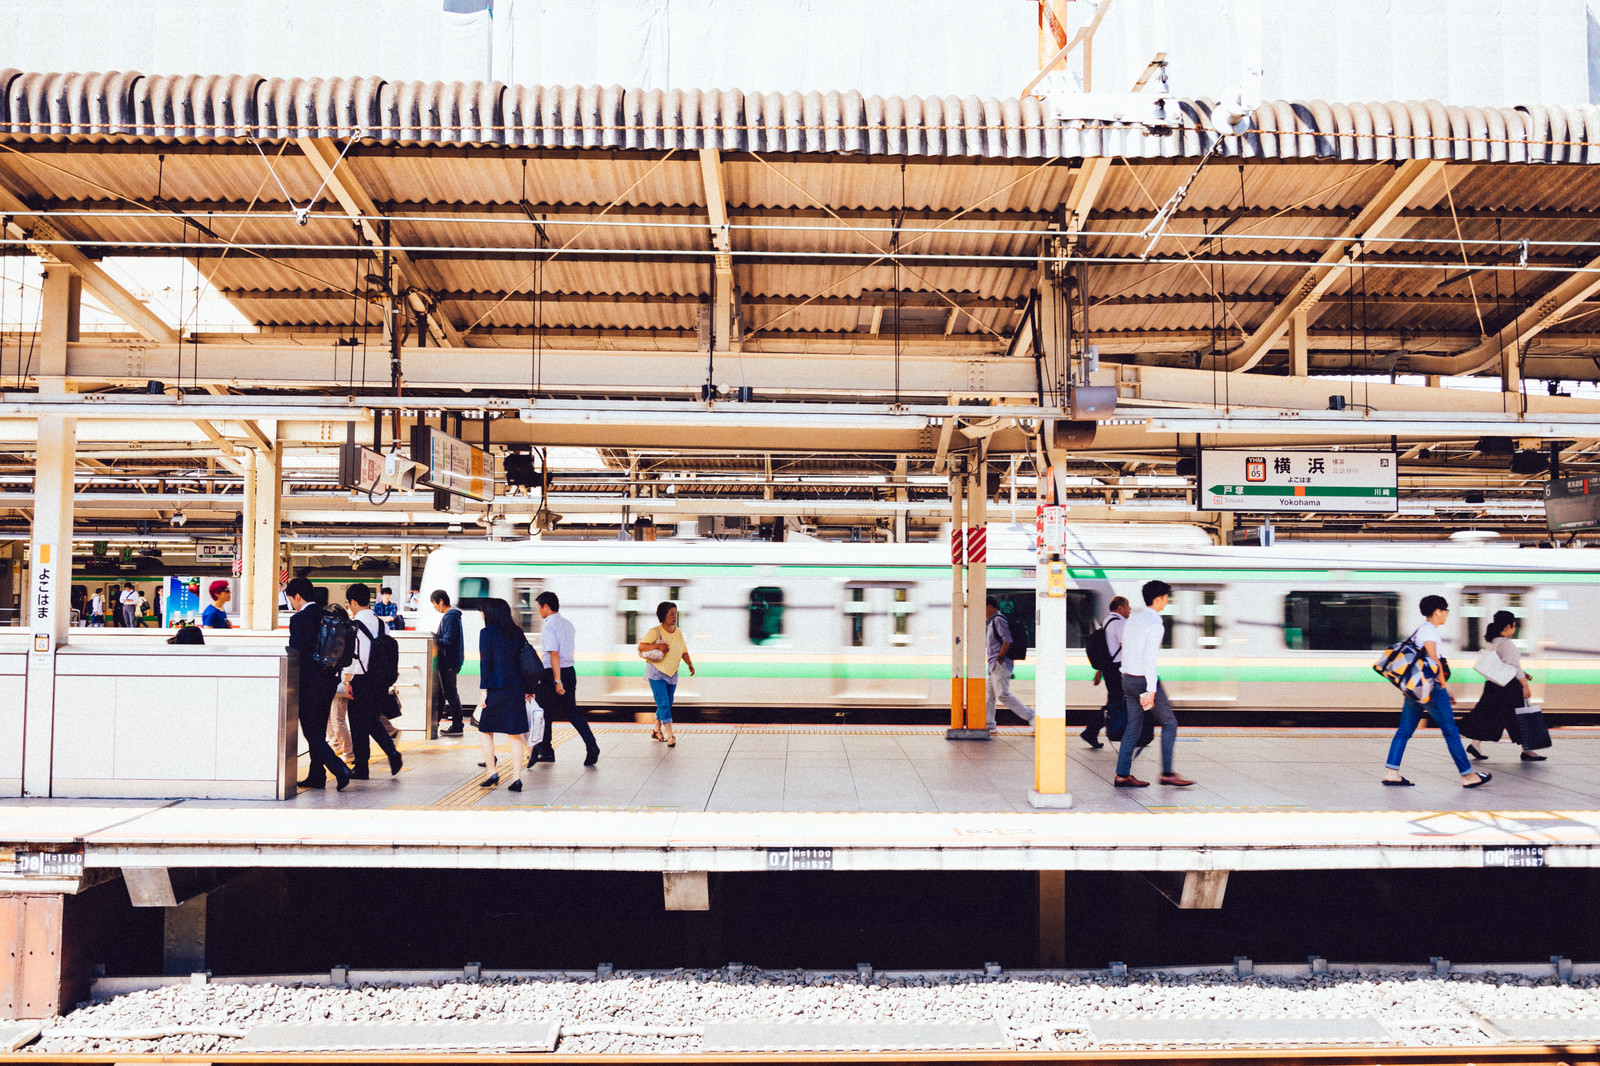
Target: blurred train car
(1269, 633)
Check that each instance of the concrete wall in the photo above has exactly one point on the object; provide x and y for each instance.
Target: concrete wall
(164, 722)
(13, 686)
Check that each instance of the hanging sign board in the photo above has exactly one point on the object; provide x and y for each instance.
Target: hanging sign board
(1269, 479)
(1572, 504)
(453, 466)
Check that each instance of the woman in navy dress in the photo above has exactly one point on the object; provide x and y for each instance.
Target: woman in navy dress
(505, 704)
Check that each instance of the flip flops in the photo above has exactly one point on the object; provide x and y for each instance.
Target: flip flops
(1404, 782)
(1483, 779)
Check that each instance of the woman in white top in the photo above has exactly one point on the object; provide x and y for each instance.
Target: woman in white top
(1496, 710)
(1435, 609)
(664, 649)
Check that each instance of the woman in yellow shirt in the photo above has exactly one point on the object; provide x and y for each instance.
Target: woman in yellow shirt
(663, 649)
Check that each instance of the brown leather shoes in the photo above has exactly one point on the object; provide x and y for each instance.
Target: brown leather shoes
(1176, 780)
(1128, 781)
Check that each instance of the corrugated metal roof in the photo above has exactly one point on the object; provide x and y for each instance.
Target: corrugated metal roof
(119, 104)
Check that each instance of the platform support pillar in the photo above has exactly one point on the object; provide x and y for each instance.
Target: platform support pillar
(968, 623)
(1050, 643)
(1052, 919)
(686, 890)
(183, 939)
(262, 519)
(34, 982)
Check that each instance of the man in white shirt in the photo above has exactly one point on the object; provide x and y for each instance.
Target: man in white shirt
(1113, 708)
(97, 609)
(129, 602)
(558, 641)
(1142, 689)
(367, 702)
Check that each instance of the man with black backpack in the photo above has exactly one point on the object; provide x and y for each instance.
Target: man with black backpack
(374, 668)
(317, 684)
(1104, 649)
(1002, 661)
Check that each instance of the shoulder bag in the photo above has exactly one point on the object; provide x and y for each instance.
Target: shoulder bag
(1490, 665)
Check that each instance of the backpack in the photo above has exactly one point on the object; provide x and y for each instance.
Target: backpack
(383, 669)
(1098, 649)
(1019, 641)
(531, 667)
(335, 645)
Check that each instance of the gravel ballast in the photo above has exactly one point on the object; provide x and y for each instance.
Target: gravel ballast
(634, 1013)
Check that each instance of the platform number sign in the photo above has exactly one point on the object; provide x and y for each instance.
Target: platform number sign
(780, 859)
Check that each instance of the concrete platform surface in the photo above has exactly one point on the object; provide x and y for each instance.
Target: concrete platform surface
(799, 797)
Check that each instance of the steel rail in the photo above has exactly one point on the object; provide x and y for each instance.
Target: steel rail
(1498, 1055)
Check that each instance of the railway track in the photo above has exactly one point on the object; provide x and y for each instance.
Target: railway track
(1576, 1055)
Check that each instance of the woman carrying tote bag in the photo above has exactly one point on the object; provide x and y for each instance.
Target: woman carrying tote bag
(1496, 710)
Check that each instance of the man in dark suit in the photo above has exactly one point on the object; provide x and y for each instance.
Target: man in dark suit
(316, 687)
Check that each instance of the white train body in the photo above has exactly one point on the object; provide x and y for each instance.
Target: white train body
(813, 624)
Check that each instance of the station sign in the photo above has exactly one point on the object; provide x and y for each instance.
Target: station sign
(1572, 504)
(222, 553)
(453, 465)
(1272, 479)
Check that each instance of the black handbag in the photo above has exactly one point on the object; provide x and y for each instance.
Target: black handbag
(1531, 725)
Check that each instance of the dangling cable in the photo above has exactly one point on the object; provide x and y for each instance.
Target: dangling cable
(894, 248)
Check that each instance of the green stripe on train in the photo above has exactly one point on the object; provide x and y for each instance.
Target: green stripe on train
(1131, 573)
(1285, 674)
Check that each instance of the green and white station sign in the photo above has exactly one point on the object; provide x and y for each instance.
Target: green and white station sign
(1260, 479)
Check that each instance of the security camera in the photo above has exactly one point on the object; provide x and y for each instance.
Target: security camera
(179, 518)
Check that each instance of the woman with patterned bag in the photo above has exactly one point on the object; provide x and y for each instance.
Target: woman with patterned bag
(1426, 694)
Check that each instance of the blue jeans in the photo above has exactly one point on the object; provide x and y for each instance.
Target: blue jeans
(1133, 687)
(1442, 712)
(663, 691)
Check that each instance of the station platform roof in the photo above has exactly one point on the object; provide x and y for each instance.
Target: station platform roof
(754, 798)
(569, 263)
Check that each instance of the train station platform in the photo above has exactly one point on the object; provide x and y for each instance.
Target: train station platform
(759, 797)
(778, 799)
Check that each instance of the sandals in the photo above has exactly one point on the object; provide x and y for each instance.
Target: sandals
(672, 743)
(1483, 779)
(1404, 782)
(655, 734)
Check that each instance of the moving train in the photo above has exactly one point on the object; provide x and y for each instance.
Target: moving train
(1275, 632)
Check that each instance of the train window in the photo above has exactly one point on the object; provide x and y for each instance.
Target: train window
(1472, 620)
(900, 615)
(524, 605)
(1018, 607)
(856, 616)
(766, 614)
(471, 593)
(629, 609)
(636, 606)
(1208, 618)
(1340, 621)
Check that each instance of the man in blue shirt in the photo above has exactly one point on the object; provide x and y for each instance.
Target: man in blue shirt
(450, 649)
(558, 640)
(386, 609)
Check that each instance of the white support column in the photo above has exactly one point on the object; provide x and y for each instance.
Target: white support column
(46, 600)
(977, 621)
(958, 611)
(49, 585)
(244, 590)
(1050, 651)
(263, 519)
(403, 593)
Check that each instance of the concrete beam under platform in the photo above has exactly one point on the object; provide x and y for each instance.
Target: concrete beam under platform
(1198, 890)
(686, 891)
